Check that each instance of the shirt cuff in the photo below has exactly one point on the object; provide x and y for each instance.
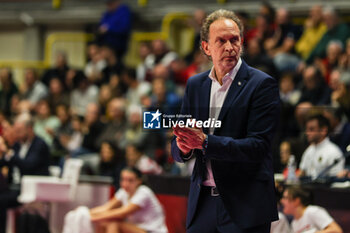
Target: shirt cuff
(188, 156)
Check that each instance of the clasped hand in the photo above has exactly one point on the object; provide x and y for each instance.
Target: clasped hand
(189, 138)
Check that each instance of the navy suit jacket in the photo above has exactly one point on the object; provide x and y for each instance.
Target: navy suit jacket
(36, 161)
(240, 150)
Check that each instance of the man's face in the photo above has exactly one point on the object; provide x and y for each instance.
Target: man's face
(21, 130)
(224, 45)
(314, 132)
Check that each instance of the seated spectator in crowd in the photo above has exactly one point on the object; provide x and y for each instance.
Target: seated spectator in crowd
(344, 61)
(163, 99)
(315, 89)
(160, 55)
(114, 65)
(115, 27)
(105, 95)
(8, 89)
(288, 93)
(73, 141)
(136, 89)
(45, 124)
(314, 29)
(257, 58)
(306, 217)
(322, 154)
(330, 62)
(116, 124)
(59, 70)
(133, 209)
(285, 155)
(28, 156)
(262, 31)
(112, 161)
(92, 129)
(335, 31)
(63, 131)
(83, 94)
(339, 127)
(341, 95)
(93, 69)
(135, 158)
(33, 89)
(281, 45)
(141, 69)
(57, 94)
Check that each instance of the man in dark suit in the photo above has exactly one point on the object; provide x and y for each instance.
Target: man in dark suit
(28, 156)
(232, 185)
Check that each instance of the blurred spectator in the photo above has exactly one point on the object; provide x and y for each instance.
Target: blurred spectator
(115, 27)
(262, 31)
(33, 89)
(315, 89)
(330, 62)
(285, 155)
(62, 132)
(166, 101)
(105, 95)
(281, 45)
(344, 61)
(339, 127)
(267, 10)
(83, 94)
(45, 124)
(136, 158)
(59, 70)
(136, 89)
(93, 69)
(335, 31)
(321, 153)
(288, 93)
(111, 162)
(28, 156)
(8, 89)
(114, 65)
(141, 69)
(92, 129)
(73, 141)
(160, 55)
(133, 209)
(57, 94)
(341, 95)
(116, 124)
(307, 217)
(244, 18)
(196, 22)
(255, 57)
(314, 29)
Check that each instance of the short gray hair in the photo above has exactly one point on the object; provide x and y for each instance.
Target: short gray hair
(219, 14)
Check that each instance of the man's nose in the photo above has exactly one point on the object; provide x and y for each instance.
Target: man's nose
(228, 46)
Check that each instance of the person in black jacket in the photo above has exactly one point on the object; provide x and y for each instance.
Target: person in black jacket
(28, 156)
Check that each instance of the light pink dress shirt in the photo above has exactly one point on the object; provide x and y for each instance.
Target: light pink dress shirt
(218, 94)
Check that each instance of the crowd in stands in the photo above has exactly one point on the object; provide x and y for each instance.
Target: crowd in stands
(97, 111)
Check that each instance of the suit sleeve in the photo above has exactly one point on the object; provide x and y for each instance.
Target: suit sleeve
(38, 155)
(262, 121)
(175, 151)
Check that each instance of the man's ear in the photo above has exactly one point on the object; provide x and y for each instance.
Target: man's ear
(205, 48)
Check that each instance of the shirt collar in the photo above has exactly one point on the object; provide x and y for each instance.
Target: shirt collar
(232, 74)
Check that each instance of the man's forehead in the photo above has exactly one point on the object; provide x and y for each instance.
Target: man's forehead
(224, 24)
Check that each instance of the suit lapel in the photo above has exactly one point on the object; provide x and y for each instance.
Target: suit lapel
(236, 86)
(204, 100)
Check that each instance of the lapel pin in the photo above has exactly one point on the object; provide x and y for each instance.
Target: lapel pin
(239, 83)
